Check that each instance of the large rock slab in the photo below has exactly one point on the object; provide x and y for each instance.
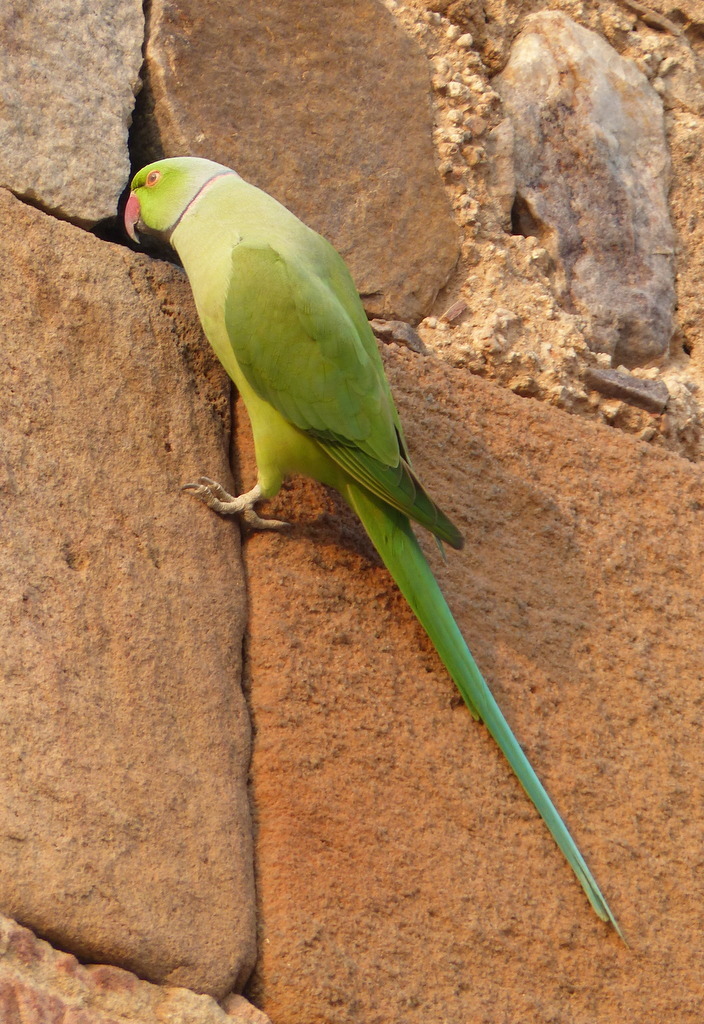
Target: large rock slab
(124, 821)
(41, 985)
(402, 873)
(592, 174)
(68, 76)
(324, 105)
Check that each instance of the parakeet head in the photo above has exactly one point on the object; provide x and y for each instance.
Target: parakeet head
(162, 192)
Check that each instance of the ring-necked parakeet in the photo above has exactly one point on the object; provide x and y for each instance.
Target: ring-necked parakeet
(279, 307)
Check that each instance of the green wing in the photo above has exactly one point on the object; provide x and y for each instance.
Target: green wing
(302, 340)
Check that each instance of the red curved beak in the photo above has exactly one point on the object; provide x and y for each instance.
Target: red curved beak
(132, 216)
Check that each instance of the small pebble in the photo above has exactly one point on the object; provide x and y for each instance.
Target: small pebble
(457, 91)
(476, 125)
(475, 83)
(473, 155)
(455, 311)
(540, 258)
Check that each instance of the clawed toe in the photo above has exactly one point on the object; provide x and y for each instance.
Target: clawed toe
(205, 488)
(216, 497)
(213, 487)
(257, 523)
(219, 500)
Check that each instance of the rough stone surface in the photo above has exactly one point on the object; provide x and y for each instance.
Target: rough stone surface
(393, 884)
(68, 76)
(592, 174)
(324, 105)
(402, 874)
(124, 820)
(41, 985)
(516, 329)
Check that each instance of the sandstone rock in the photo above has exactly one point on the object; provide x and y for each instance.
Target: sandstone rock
(243, 1011)
(124, 822)
(41, 985)
(68, 77)
(324, 105)
(402, 874)
(592, 172)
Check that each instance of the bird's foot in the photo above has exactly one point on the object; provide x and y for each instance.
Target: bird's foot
(216, 497)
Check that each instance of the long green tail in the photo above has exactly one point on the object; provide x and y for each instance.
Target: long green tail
(395, 541)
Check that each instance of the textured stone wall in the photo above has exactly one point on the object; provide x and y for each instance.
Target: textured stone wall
(236, 767)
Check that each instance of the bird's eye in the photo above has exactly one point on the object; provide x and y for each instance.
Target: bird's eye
(152, 178)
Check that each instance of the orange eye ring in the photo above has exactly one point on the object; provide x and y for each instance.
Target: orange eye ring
(152, 178)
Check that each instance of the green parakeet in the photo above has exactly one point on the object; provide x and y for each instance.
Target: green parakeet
(279, 307)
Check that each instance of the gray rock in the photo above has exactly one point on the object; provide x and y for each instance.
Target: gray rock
(501, 175)
(124, 819)
(651, 395)
(592, 172)
(324, 105)
(68, 76)
(397, 331)
(41, 985)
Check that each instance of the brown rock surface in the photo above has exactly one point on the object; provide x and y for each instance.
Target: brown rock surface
(41, 985)
(124, 822)
(325, 106)
(402, 873)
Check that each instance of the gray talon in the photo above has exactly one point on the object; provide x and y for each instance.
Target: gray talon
(257, 523)
(219, 500)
